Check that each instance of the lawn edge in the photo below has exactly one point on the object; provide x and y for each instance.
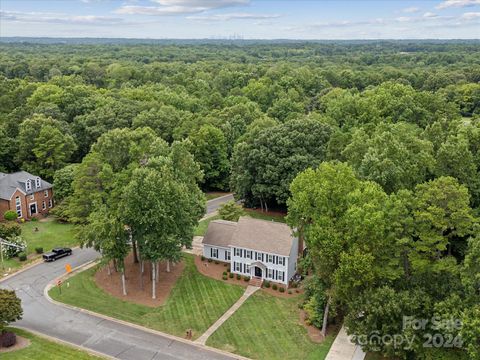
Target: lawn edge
(27, 267)
(92, 263)
(63, 342)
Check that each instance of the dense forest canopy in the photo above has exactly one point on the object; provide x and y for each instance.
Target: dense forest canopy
(374, 147)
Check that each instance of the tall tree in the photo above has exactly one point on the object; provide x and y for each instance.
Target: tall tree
(210, 151)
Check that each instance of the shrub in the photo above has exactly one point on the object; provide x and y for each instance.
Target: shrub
(224, 273)
(274, 287)
(228, 269)
(239, 276)
(10, 229)
(290, 292)
(209, 260)
(39, 250)
(281, 289)
(294, 285)
(22, 256)
(8, 339)
(266, 284)
(297, 291)
(10, 215)
(34, 219)
(230, 275)
(230, 211)
(216, 262)
(203, 258)
(246, 278)
(224, 277)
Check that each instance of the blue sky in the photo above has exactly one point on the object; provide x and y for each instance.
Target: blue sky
(257, 19)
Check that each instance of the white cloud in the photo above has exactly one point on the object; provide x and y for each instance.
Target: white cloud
(471, 16)
(457, 3)
(430, 15)
(348, 23)
(233, 16)
(411, 10)
(178, 7)
(57, 18)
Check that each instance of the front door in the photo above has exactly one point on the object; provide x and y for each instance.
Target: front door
(33, 209)
(258, 272)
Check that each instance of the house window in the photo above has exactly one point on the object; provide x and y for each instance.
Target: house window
(227, 255)
(45, 193)
(270, 273)
(32, 197)
(283, 261)
(37, 182)
(50, 203)
(249, 254)
(237, 266)
(44, 206)
(244, 268)
(28, 185)
(18, 206)
(237, 252)
(270, 258)
(213, 253)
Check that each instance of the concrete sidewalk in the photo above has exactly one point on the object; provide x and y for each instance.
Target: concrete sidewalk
(248, 292)
(343, 349)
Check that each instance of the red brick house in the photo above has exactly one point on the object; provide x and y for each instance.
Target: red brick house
(27, 194)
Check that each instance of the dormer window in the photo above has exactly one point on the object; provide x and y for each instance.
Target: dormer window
(37, 182)
(28, 185)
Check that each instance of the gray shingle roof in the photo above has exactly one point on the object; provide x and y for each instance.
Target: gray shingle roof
(9, 183)
(250, 233)
(219, 233)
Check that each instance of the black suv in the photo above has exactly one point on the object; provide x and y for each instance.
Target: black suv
(57, 253)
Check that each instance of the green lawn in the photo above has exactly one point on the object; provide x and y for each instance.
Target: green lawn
(50, 234)
(195, 302)
(40, 349)
(264, 216)
(266, 327)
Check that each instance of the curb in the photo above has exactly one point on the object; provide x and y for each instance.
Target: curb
(27, 267)
(220, 197)
(209, 215)
(63, 342)
(92, 263)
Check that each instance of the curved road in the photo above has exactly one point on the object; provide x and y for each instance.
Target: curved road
(95, 333)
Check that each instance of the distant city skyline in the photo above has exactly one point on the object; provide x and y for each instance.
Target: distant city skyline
(247, 19)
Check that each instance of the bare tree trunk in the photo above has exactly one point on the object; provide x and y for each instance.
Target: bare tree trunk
(157, 271)
(124, 288)
(266, 206)
(142, 268)
(325, 318)
(134, 247)
(168, 265)
(109, 271)
(154, 295)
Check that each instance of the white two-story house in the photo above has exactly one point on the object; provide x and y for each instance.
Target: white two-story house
(257, 248)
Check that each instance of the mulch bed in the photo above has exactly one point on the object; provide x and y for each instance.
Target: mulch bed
(215, 271)
(21, 343)
(112, 284)
(314, 333)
